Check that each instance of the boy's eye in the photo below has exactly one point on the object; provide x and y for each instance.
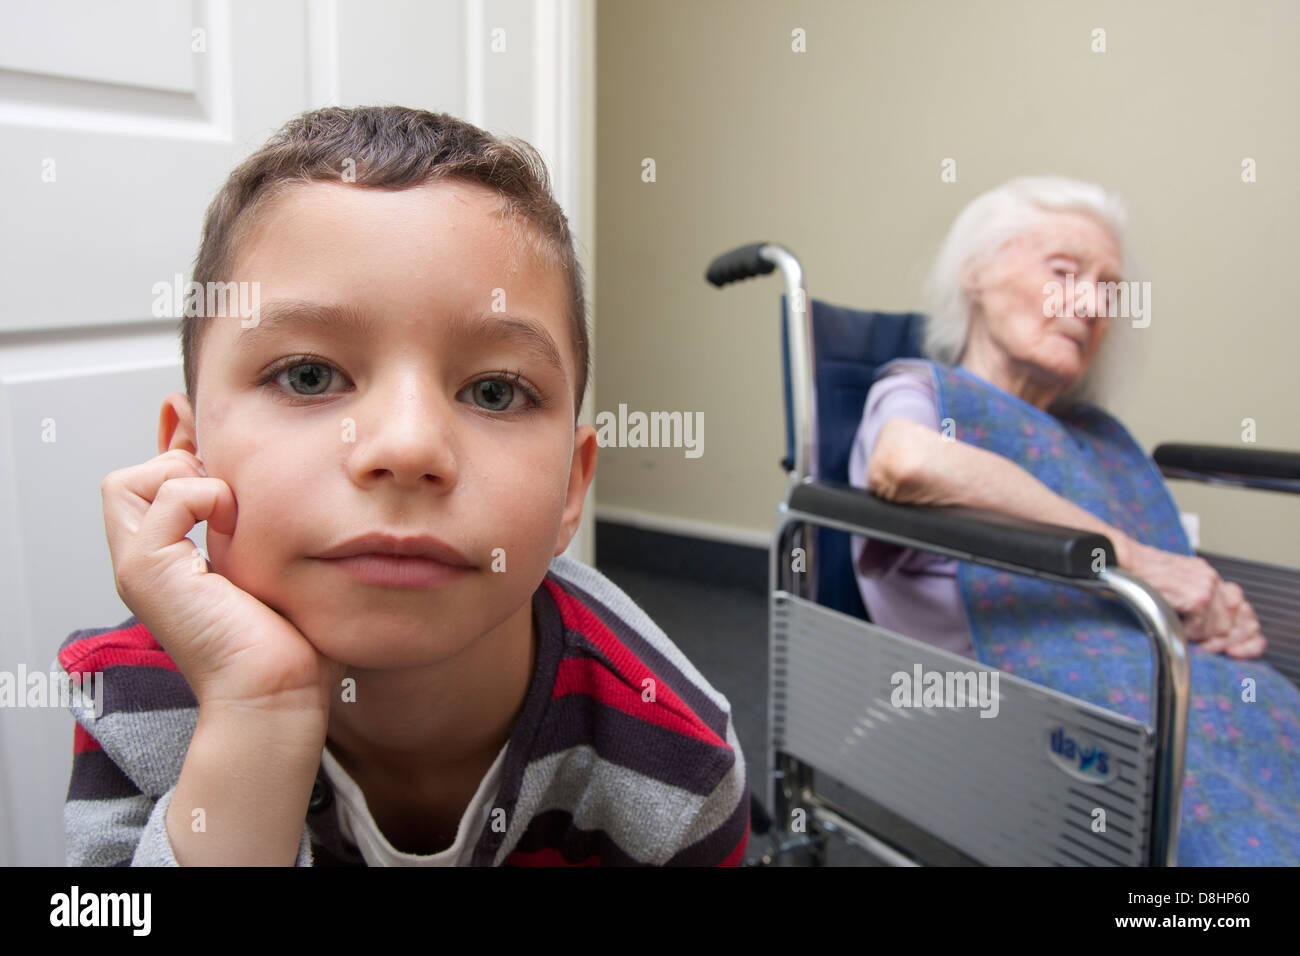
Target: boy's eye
(309, 378)
(493, 394)
(314, 377)
(497, 394)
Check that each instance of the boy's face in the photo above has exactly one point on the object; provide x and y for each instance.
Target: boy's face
(410, 428)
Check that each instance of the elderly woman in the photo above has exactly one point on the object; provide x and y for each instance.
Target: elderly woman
(996, 419)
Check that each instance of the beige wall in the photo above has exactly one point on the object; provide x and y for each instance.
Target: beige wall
(836, 153)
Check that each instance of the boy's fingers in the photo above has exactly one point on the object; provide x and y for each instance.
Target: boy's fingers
(144, 480)
(184, 455)
(179, 505)
(128, 493)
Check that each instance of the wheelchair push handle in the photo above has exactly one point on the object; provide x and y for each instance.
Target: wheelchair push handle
(760, 258)
(743, 262)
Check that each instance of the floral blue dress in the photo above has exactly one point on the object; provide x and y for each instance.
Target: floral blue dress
(1241, 793)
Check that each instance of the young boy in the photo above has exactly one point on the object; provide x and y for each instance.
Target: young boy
(386, 660)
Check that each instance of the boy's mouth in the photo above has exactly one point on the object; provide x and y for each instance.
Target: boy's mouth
(394, 571)
(409, 546)
(390, 560)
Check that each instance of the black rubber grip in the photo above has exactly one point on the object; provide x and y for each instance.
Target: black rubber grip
(965, 533)
(743, 262)
(1230, 460)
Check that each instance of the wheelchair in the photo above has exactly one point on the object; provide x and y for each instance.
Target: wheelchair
(938, 785)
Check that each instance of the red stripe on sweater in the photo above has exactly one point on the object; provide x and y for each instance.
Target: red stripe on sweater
(583, 675)
(131, 647)
(578, 617)
(736, 856)
(83, 742)
(546, 857)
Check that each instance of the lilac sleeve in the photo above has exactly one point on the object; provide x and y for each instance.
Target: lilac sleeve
(906, 590)
(903, 394)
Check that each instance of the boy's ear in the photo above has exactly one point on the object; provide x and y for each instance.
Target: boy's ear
(581, 471)
(176, 425)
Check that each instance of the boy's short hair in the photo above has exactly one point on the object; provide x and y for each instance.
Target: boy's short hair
(389, 147)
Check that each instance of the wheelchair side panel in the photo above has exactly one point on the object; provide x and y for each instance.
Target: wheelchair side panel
(1043, 780)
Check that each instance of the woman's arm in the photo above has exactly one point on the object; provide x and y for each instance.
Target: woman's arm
(912, 464)
(915, 465)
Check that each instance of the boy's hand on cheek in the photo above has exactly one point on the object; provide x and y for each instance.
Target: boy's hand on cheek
(231, 647)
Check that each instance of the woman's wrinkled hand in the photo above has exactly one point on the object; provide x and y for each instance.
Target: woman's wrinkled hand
(1214, 612)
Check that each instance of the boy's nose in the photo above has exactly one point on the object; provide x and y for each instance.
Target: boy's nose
(406, 429)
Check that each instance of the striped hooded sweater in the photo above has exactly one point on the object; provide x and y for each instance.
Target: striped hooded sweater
(595, 772)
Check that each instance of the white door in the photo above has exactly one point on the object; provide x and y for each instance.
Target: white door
(118, 122)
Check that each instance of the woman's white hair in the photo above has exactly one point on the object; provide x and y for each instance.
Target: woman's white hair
(978, 234)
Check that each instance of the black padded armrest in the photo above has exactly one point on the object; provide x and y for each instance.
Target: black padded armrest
(967, 533)
(1251, 467)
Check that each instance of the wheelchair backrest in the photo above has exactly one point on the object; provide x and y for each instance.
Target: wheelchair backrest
(849, 346)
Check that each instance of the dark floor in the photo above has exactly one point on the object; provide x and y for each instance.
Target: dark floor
(723, 632)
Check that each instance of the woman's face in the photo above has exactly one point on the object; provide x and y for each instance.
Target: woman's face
(1021, 302)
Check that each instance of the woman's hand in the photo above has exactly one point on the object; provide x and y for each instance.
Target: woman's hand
(1214, 612)
(914, 465)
